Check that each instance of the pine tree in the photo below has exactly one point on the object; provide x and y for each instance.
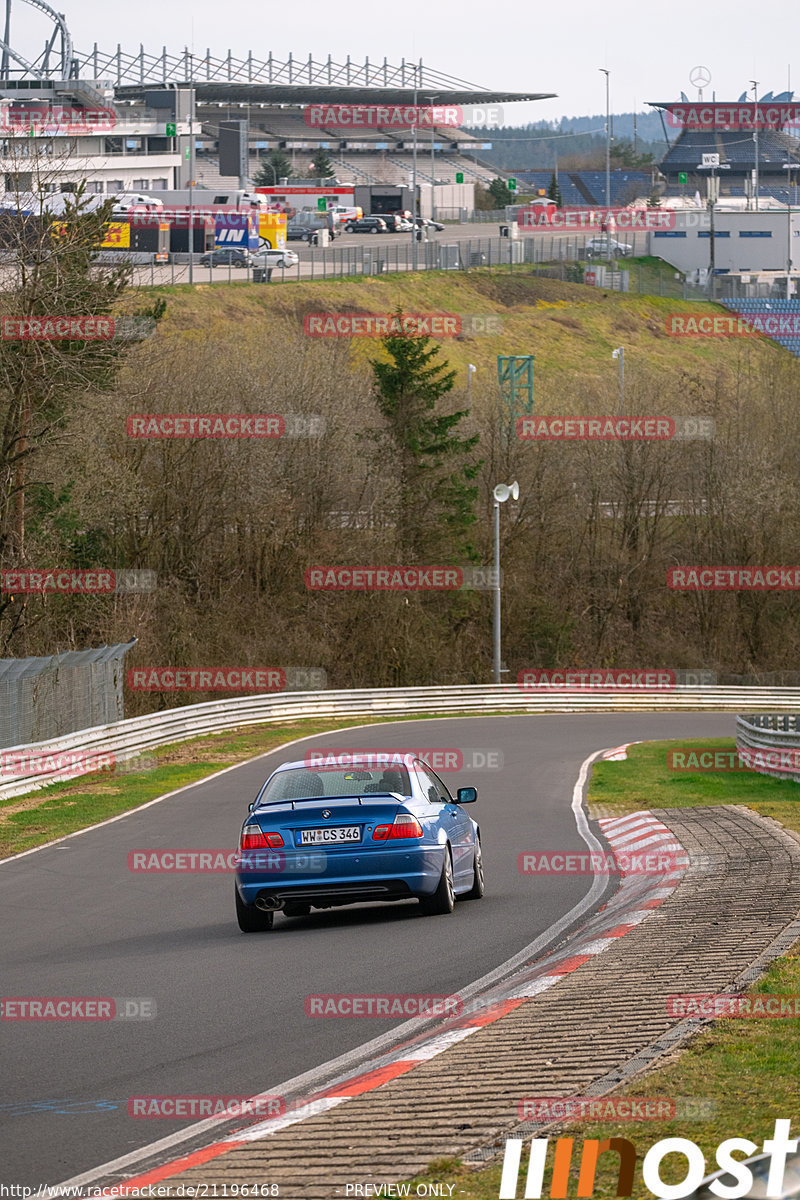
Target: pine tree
(321, 165)
(433, 466)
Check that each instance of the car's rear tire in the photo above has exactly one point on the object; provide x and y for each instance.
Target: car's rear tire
(296, 909)
(443, 900)
(251, 919)
(374, 229)
(478, 885)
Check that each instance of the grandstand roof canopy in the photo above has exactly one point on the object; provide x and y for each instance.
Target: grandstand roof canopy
(232, 92)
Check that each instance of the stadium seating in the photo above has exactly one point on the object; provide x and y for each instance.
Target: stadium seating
(790, 342)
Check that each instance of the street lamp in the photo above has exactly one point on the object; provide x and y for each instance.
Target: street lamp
(754, 86)
(619, 353)
(501, 493)
(433, 165)
(711, 163)
(789, 167)
(608, 136)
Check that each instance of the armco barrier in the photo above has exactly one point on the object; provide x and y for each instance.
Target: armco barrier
(770, 731)
(125, 739)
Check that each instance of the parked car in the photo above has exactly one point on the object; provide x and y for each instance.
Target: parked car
(316, 220)
(426, 223)
(603, 247)
(275, 258)
(367, 225)
(320, 837)
(395, 222)
(300, 231)
(227, 257)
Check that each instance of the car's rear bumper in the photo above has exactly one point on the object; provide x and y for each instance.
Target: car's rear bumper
(333, 874)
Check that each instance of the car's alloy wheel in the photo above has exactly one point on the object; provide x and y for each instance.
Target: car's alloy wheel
(443, 899)
(374, 229)
(478, 884)
(251, 919)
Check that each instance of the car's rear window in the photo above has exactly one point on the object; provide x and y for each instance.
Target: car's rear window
(304, 783)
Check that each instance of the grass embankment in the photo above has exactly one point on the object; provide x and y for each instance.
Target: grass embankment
(747, 1068)
(570, 328)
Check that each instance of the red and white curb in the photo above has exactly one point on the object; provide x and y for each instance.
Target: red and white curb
(635, 899)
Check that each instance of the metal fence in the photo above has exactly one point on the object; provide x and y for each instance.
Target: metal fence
(44, 698)
(564, 257)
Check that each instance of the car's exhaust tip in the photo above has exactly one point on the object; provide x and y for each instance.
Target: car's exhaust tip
(269, 903)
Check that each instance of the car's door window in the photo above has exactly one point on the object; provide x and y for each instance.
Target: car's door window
(432, 786)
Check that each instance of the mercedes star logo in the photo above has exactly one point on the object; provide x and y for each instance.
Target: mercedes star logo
(699, 76)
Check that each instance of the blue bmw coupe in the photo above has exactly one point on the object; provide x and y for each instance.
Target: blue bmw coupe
(319, 837)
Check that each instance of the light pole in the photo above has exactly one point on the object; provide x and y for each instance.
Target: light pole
(433, 164)
(754, 86)
(608, 136)
(501, 493)
(414, 256)
(789, 167)
(619, 353)
(711, 163)
(191, 168)
(471, 369)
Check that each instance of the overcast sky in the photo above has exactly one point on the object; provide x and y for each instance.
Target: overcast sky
(649, 48)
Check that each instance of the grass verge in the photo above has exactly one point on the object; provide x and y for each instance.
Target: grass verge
(741, 1074)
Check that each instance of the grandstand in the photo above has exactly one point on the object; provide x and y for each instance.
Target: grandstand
(763, 308)
(151, 96)
(581, 188)
(729, 130)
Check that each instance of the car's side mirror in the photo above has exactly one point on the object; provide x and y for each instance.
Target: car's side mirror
(467, 795)
(251, 806)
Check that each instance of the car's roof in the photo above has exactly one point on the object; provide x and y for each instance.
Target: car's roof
(302, 764)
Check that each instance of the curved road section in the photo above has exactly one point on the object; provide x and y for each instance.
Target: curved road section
(227, 1012)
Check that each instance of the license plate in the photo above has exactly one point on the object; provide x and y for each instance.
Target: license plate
(324, 837)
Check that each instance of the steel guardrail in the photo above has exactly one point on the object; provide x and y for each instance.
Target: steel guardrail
(775, 739)
(128, 738)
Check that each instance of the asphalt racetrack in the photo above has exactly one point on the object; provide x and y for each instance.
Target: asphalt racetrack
(230, 1018)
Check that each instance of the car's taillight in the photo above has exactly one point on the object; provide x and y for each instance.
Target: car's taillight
(403, 826)
(254, 838)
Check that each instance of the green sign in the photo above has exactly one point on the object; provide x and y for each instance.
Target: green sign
(172, 129)
(682, 177)
(459, 176)
(322, 204)
(188, 152)
(512, 185)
